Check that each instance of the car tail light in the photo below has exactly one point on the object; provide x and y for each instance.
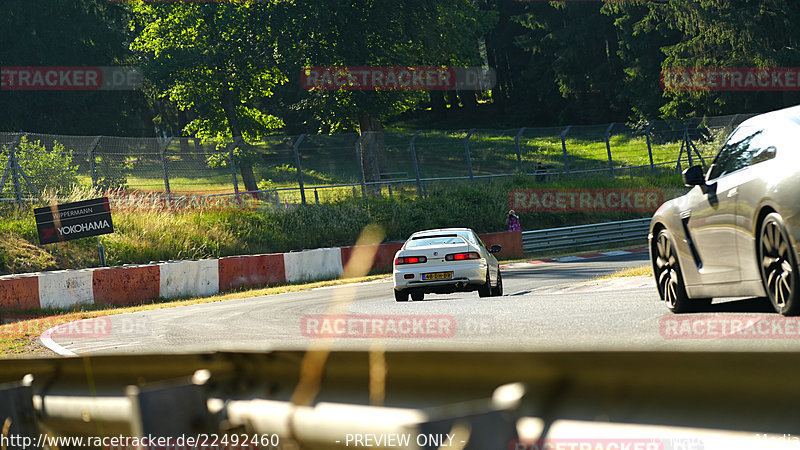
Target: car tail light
(410, 260)
(462, 256)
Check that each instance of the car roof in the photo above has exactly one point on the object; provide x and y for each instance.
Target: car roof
(438, 231)
(786, 116)
(442, 230)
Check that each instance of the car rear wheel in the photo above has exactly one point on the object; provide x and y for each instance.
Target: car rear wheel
(497, 291)
(417, 296)
(669, 278)
(778, 267)
(486, 289)
(401, 296)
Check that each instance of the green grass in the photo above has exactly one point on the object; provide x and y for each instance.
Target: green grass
(145, 232)
(331, 160)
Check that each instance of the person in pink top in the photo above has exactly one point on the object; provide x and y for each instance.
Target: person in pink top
(513, 221)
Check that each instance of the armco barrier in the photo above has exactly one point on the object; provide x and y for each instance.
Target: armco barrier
(251, 270)
(141, 283)
(582, 236)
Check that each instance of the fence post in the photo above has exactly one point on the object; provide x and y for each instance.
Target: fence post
(232, 159)
(10, 167)
(687, 141)
(649, 146)
(519, 152)
(15, 175)
(28, 182)
(690, 146)
(729, 128)
(92, 164)
(564, 147)
(680, 155)
(361, 165)
(469, 159)
(608, 148)
(296, 150)
(163, 151)
(416, 165)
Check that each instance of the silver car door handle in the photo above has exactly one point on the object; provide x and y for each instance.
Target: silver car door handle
(733, 192)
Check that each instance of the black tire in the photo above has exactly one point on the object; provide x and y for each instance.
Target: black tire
(497, 291)
(778, 266)
(486, 289)
(669, 279)
(417, 296)
(401, 296)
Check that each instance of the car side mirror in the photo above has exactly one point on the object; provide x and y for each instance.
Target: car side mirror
(495, 248)
(693, 176)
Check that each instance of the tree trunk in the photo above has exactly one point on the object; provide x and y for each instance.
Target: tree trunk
(182, 121)
(245, 167)
(373, 151)
(248, 176)
(468, 100)
(438, 105)
(451, 98)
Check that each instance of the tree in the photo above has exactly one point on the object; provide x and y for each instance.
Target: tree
(573, 53)
(708, 33)
(217, 60)
(69, 33)
(377, 33)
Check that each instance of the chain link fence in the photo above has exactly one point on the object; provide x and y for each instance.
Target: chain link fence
(319, 168)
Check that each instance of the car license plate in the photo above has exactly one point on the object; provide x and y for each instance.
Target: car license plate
(437, 276)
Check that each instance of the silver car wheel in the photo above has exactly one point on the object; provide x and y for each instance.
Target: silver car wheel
(777, 265)
(667, 277)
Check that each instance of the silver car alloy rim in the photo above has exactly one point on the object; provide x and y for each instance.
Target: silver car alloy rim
(667, 274)
(775, 264)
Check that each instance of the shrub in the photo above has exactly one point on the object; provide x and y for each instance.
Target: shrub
(47, 168)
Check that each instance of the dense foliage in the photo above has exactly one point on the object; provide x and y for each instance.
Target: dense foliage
(232, 69)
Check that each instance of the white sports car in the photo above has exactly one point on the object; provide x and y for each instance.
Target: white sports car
(444, 261)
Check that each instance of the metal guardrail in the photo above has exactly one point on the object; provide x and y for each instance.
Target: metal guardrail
(485, 395)
(585, 235)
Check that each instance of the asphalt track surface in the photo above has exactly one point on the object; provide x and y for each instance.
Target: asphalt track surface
(554, 306)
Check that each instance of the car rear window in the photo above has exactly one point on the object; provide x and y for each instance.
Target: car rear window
(435, 240)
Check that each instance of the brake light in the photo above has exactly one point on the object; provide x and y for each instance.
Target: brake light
(462, 256)
(410, 260)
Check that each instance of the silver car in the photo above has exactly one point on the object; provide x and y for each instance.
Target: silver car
(735, 233)
(444, 261)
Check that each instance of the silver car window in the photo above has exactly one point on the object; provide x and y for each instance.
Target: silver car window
(737, 152)
(472, 238)
(435, 240)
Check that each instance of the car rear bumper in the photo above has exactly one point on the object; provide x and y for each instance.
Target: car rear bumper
(466, 277)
